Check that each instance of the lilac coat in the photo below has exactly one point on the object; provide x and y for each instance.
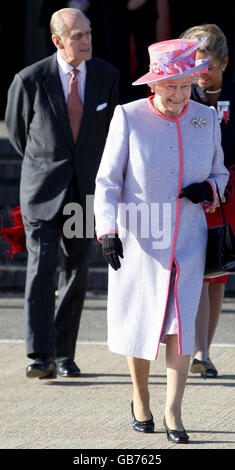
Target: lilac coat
(147, 159)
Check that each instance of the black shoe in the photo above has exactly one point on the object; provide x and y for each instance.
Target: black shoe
(44, 367)
(179, 437)
(199, 366)
(142, 426)
(211, 371)
(210, 374)
(67, 368)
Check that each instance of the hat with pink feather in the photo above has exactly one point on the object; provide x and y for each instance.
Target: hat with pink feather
(175, 58)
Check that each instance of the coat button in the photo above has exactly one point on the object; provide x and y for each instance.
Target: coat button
(173, 147)
(171, 124)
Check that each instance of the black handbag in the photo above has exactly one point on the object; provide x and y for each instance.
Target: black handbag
(220, 253)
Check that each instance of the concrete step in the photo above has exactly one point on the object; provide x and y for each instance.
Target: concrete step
(9, 195)
(13, 275)
(12, 278)
(230, 286)
(13, 271)
(10, 170)
(7, 150)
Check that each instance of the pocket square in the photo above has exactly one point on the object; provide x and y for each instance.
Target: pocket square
(101, 106)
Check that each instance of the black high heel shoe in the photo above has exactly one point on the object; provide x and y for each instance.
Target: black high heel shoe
(178, 437)
(199, 366)
(211, 371)
(142, 426)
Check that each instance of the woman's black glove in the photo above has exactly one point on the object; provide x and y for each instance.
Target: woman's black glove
(112, 249)
(198, 192)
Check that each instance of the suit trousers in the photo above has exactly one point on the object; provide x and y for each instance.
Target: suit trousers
(52, 329)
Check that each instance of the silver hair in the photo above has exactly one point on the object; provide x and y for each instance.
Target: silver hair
(58, 24)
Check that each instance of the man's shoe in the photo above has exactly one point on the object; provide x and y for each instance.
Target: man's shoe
(44, 367)
(67, 368)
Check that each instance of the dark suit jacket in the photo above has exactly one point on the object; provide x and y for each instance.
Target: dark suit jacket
(39, 129)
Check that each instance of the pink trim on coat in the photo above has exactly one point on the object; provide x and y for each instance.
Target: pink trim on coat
(177, 306)
(168, 288)
(175, 119)
(156, 111)
(106, 233)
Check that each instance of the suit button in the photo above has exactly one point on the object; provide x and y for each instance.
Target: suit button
(173, 147)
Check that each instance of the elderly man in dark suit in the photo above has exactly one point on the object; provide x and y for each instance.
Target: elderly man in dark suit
(58, 114)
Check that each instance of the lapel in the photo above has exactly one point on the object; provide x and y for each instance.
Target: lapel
(53, 87)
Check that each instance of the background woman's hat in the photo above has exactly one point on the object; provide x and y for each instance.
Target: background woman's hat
(172, 59)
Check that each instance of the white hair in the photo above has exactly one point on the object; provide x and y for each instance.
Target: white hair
(58, 24)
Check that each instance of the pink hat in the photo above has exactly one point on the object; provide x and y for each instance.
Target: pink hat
(173, 59)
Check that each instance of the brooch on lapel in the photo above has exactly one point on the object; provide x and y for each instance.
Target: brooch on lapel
(198, 122)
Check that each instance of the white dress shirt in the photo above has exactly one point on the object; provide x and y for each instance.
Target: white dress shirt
(64, 71)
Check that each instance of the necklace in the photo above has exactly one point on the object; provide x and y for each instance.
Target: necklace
(213, 91)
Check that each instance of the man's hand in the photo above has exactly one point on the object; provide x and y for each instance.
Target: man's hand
(112, 249)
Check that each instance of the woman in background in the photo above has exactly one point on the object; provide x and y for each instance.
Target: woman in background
(213, 89)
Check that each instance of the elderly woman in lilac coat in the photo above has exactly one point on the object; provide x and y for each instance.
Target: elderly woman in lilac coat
(161, 163)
